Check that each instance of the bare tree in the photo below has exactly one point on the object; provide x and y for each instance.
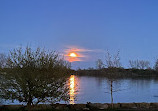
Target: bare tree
(113, 86)
(156, 65)
(3, 60)
(133, 64)
(139, 64)
(144, 64)
(99, 64)
(112, 61)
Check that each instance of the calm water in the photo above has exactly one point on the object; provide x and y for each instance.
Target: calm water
(85, 89)
(97, 90)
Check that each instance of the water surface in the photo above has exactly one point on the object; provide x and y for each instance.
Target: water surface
(85, 89)
(97, 90)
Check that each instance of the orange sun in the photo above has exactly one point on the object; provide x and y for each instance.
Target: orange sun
(72, 54)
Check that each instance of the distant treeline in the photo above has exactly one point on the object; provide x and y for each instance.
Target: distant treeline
(112, 67)
(118, 72)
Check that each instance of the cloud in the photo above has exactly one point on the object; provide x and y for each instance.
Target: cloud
(83, 53)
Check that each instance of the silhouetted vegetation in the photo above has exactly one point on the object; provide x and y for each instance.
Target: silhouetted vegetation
(112, 68)
(156, 65)
(99, 64)
(139, 64)
(112, 61)
(3, 60)
(119, 72)
(34, 76)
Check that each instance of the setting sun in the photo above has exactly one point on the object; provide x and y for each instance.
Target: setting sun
(72, 54)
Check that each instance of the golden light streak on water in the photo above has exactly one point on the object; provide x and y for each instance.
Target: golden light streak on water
(72, 89)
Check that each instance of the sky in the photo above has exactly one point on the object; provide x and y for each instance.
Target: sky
(130, 26)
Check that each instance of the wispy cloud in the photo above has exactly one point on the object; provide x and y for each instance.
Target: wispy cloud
(82, 53)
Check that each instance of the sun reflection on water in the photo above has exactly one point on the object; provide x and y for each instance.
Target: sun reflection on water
(72, 89)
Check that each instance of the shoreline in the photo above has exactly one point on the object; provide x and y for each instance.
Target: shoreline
(88, 106)
(115, 73)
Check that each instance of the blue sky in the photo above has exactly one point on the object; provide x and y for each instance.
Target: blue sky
(130, 26)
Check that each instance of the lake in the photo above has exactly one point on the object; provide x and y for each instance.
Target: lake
(97, 90)
(85, 89)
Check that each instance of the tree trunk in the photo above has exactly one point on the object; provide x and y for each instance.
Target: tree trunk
(29, 103)
(111, 94)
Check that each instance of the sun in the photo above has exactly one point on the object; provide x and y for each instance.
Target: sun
(73, 54)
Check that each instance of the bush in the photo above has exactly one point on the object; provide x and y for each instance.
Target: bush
(34, 76)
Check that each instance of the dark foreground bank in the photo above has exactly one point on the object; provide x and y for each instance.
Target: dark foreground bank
(84, 107)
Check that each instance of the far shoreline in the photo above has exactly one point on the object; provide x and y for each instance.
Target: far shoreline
(118, 73)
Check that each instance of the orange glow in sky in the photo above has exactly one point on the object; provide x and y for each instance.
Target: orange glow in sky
(73, 55)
